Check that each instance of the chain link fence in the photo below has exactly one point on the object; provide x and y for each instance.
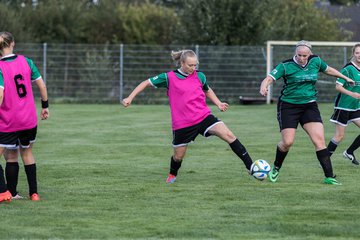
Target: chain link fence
(86, 73)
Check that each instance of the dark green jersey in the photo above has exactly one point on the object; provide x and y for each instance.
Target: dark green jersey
(161, 80)
(35, 74)
(344, 101)
(299, 81)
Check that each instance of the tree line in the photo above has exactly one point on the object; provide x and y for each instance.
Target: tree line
(205, 22)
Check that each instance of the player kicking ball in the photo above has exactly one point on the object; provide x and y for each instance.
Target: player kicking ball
(187, 91)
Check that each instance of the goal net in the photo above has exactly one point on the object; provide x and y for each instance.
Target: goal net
(335, 54)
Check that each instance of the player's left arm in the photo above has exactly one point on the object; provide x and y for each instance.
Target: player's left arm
(335, 73)
(1, 95)
(37, 79)
(45, 113)
(223, 106)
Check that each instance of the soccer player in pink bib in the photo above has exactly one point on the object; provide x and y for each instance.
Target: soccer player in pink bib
(18, 117)
(187, 91)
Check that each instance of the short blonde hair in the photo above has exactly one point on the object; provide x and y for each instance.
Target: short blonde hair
(304, 43)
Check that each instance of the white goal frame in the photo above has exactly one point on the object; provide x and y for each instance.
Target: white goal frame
(269, 55)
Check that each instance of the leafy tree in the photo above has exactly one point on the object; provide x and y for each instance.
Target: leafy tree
(102, 24)
(12, 21)
(299, 20)
(229, 22)
(147, 23)
(56, 21)
(233, 22)
(207, 22)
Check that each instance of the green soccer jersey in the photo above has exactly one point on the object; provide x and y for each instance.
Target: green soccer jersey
(161, 80)
(299, 81)
(35, 74)
(344, 101)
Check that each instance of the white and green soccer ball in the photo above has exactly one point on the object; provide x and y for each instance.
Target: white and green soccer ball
(260, 169)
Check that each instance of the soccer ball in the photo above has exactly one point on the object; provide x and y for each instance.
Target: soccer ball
(260, 169)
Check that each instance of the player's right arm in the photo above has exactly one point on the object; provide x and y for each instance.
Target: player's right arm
(340, 88)
(340, 82)
(265, 85)
(159, 81)
(127, 101)
(275, 74)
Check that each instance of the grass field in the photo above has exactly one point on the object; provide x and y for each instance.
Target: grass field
(102, 171)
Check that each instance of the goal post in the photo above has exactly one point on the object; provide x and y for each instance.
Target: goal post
(338, 53)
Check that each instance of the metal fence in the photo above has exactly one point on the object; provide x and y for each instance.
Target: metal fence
(86, 73)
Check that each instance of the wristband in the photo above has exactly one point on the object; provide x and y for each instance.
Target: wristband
(44, 104)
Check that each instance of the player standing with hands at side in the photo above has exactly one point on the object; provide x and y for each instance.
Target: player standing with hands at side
(18, 117)
(187, 90)
(297, 104)
(347, 106)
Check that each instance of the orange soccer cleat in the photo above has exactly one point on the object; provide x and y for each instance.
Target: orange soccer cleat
(5, 196)
(34, 197)
(171, 178)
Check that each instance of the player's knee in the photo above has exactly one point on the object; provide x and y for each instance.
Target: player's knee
(286, 144)
(230, 136)
(178, 157)
(227, 135)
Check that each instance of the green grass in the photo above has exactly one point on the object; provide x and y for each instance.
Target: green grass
(102, 171)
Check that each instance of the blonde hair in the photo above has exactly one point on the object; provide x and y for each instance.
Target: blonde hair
(6, 39)
(304, 43)
(180, 56)
(353, 50)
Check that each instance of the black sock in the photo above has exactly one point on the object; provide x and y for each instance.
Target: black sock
(279, 159)
(355, 145)
(324, 158)
(241, 152)
(2, 181)
(174, 166)
(30, 171)
(332, 146)
(12, 174)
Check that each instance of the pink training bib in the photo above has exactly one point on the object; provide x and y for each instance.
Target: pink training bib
(187, 100)
(18, 111)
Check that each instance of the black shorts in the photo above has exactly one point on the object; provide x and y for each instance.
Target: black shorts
(344, 117)
(184, 136)
(290, 115)
(12, 140)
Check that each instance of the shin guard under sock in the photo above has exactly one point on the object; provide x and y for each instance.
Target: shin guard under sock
(279, 158)
(241, 152)
(324, 158)
(12, 174)
(30, 171)
(174, 166)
